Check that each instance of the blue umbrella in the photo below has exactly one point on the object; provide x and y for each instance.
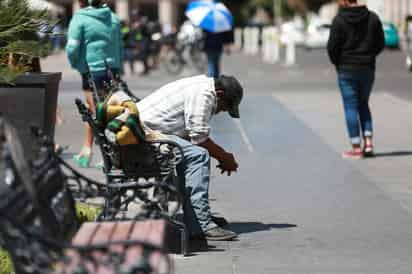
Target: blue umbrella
(210, 16)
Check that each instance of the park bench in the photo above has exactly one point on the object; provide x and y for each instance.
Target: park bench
(38, 221)
(120, 193)
(149, 164)
(133, 168)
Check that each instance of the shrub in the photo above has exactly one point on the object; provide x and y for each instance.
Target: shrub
(6, 266)
(20, 46)
(85, 213)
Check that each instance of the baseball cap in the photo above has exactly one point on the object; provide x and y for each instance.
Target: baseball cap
(233, 94)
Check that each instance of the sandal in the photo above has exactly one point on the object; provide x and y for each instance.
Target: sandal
(99, 165)
(83, 159)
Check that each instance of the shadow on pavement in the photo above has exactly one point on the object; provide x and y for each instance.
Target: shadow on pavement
(393, 154)
(197, 246)
(248, 227)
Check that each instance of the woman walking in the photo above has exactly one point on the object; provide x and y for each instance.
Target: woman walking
(214, 45)
(88, 50)
(356, 39)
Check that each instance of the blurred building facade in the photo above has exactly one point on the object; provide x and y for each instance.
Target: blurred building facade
(394, 11)
(167, 12)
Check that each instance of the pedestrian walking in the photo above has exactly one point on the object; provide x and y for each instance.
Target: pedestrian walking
(356, 39)
(217, 22)
(88, 50)
(215, 43)
(182, 110)
(141, 35)
(129, 45)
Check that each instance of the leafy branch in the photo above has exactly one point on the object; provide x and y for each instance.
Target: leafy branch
(19, 40)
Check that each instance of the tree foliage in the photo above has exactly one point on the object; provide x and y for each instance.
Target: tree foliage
(19, 42)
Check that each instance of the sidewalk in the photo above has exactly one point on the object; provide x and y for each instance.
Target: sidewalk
(390, 170)
(297, 205)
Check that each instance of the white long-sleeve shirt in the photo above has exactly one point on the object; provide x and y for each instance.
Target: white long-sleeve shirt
(183, 108)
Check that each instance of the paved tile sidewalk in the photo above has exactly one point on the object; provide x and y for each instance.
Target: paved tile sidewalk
(297, 206)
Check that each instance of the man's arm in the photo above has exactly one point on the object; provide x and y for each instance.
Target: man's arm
(198, 112)
(227, 162)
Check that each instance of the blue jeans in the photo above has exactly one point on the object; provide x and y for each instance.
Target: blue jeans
(130, 57)
(356, 87)
(100, 79)
(213, 63)
(194, 171)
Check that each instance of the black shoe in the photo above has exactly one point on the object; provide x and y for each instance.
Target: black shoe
(219, 234)
(220, 221)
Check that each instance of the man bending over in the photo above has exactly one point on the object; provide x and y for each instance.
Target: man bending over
(182, 110)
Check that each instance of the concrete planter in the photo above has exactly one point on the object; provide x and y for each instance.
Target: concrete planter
(31, 100)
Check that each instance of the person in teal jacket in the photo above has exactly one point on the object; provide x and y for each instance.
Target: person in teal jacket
(89, 47)
(89, 38)
(117, 47)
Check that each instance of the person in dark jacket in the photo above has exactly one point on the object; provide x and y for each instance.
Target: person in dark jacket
(142, 38)
(213, 47)
(356, 39)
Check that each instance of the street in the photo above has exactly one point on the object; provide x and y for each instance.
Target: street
(297, 206)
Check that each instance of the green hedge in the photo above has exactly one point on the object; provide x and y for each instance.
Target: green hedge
(5, 263)
(85, 213)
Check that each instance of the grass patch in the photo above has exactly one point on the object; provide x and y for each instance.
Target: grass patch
(85, 213)
(6, 267)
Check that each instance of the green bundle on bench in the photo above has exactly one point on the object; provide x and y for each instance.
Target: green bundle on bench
(119, 115)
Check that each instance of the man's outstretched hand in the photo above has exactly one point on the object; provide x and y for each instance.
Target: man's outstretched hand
(228, 164)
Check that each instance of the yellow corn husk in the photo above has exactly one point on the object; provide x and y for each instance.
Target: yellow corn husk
(126, 137)
(118, 98)
(113, 100)
(113, 112)
(131, 106)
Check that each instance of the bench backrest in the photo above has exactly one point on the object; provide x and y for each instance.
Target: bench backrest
(133, 160)
(154, 159)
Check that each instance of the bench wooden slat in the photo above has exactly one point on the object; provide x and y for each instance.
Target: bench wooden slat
(122, 231)
(157, 237)
(139, 233)
(157, 232)
(103, 235)
(85, 233)
(151, 231)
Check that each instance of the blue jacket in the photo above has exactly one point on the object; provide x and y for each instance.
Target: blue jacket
(89, 39)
